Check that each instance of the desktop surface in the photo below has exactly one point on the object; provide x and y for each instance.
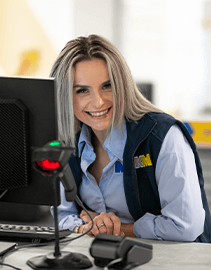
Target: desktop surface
(166, 254)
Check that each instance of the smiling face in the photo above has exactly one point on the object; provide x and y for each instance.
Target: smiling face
(92, 95)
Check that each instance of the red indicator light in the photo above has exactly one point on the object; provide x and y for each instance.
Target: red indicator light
(48, 164)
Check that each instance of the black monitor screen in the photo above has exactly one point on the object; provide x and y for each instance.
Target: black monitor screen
(27, 119)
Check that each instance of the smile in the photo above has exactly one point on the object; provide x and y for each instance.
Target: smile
(98, 114)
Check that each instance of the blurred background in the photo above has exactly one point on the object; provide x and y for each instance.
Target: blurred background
(167, 44)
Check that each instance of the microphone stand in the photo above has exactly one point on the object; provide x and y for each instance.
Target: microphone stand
(57, 252)
(57, 260)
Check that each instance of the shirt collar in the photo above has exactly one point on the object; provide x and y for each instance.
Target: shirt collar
(116, 140)
(113, 144)
(85, 138)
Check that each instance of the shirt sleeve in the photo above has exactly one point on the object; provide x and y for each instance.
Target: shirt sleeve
(182, 214)
(68, 215)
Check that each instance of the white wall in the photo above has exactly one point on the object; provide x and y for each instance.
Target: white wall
(163, 42)
(57, 17)
(184, 73)
(93, 17)
(207, 51)
(32, 32)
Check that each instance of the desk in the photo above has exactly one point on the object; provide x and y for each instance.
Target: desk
(166, 255)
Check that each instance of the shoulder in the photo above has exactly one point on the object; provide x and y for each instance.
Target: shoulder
(162, 119)
(162, 124)
(153, 126)
(155, 118)
(160, 115)
(175, 141)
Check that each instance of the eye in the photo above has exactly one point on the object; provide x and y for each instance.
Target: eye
(107, 86)
(81, 91)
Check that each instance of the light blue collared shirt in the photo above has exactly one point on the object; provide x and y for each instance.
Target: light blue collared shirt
(109, 196)
(182, 215)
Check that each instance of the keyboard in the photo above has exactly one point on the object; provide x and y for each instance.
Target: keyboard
(30, 233)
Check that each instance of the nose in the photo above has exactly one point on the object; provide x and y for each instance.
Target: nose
(97, 99)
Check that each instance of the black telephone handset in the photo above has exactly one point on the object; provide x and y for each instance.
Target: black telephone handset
(130, 251)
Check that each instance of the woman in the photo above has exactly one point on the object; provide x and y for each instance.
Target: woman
(135, 167)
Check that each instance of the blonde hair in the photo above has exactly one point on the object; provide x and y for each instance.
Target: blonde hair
(128, 102)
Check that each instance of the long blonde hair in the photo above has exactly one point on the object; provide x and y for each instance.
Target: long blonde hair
(128, 102)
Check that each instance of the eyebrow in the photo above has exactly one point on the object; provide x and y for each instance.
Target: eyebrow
(87, 86)
(106, 82)
(80, 85)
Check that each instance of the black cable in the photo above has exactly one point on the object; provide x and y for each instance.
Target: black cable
(9, 265)
(6, 264)
(3, 193)
(79, 202)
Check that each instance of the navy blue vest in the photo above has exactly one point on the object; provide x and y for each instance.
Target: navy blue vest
(145, 138)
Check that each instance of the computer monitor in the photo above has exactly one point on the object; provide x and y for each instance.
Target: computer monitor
(28, 119)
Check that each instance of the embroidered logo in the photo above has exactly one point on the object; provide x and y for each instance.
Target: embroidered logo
(142, 161)
(118, 167)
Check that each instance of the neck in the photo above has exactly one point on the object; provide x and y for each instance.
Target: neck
(98, 137)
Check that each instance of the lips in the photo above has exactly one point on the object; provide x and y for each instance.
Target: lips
(97, 114)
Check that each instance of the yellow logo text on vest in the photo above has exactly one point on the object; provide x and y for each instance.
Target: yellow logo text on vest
(142, 161)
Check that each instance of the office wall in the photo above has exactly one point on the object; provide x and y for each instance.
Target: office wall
(32, 33)
(94, 17)
(166, 42)
(207, 50)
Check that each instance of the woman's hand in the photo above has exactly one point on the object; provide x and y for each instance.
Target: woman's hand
(107, 223)
(86, 218)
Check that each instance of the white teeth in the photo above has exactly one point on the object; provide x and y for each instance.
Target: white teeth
(98, 114)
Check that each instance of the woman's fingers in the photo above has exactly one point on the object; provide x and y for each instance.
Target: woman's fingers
(86, 227)
(84, 216)
(107, 223)
(102, 227)
(116, 223)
